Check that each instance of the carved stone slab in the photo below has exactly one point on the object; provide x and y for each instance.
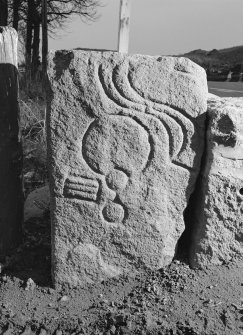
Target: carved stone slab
(125, 136)
(218, 234)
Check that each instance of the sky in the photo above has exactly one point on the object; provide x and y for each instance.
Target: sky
(159, 27)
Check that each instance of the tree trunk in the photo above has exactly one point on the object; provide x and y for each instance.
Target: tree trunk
(3, 12)
(28, 45)
(16, 4)
(44, 41)
(11, 187)
(35, 53)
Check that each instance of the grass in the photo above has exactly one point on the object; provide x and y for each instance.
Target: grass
(33, 128)
(226, 89)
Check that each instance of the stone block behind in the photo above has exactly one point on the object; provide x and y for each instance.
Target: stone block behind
(125, 139)
(218, 228)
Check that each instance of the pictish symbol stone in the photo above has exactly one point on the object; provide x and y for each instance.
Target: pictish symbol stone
(125, 137)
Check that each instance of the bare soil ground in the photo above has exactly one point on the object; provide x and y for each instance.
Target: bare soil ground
(174, 300)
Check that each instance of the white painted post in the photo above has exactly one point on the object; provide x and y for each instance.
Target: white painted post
(124, 26)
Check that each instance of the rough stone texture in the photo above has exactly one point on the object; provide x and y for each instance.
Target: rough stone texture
(218, 226)
(125, 135)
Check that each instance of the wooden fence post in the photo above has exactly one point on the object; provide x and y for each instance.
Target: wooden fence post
(124, 26)
(11, 183)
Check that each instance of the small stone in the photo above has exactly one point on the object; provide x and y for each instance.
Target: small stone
(58, 332)
(29, 175)
(129, 325)
(113, 329)
(43, 332)
(64, 298)
(208, 301)
(200, 311)
(30, 285)
(154, 289)
(4, 278)
(2, 266)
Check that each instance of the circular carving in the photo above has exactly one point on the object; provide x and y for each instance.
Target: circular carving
(116, 180)
(113, 212)
(116, 141)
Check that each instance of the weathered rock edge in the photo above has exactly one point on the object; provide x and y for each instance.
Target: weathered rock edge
(217, 231)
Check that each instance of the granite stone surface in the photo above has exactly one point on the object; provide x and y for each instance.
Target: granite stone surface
(125, 140)
(218, 227)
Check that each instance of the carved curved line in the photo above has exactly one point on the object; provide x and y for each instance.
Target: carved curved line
(118, 168)
(183, 166)
(141, 100)
(112, 98)
(174, 113)
(180, 110)
(166, 127)
(83, 151)
(118, 201)
(107, 91)
(117, 73)
(151, 142)
(170, 110)
(151, 154)
(126, 81)
(183, 125)
(167, 110)
(166, 120)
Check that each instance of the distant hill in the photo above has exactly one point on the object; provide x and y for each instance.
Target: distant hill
(228, 58)
(219, 63)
